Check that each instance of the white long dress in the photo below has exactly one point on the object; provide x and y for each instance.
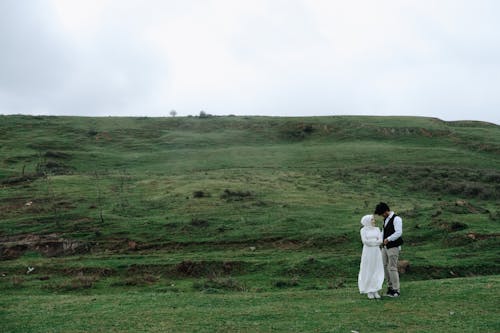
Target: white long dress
(371, 269)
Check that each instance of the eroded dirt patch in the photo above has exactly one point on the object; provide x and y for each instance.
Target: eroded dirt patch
(52, 245)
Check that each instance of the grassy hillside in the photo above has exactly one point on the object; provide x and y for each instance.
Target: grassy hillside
(248, 207)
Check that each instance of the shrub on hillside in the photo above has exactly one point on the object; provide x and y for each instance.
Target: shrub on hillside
(297, 131)
(229, 195)
(200, 194)
(288, 283)
(200, 223)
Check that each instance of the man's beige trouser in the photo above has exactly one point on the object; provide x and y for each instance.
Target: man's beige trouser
(390, 259)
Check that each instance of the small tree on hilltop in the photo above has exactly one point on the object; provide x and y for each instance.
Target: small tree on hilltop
(203, 114)
(173, 113)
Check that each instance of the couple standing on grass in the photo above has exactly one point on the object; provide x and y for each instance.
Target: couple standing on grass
(380, 253)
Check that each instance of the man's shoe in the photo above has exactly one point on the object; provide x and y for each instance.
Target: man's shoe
(389, 292)
(394, 293)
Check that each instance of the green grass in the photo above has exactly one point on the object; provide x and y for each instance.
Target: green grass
(451, 305)
(243, 223)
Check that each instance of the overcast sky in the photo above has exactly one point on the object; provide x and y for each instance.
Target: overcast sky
(434, 58)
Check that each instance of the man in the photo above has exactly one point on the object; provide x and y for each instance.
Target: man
(393, 229)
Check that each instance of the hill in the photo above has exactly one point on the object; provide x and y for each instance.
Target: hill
(237, 205)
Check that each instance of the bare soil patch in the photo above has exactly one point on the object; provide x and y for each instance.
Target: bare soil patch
(51, 245)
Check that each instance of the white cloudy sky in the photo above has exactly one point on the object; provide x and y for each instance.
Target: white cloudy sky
(437, 58)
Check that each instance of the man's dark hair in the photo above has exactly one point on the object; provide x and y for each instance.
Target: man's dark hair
(381, 208)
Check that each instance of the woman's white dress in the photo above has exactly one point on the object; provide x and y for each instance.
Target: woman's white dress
(371, 269)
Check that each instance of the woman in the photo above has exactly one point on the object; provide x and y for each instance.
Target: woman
(371, 269)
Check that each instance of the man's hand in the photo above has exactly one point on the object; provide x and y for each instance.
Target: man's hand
(386, 241)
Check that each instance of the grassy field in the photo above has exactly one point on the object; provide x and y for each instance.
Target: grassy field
(449, 305)
(244, 224)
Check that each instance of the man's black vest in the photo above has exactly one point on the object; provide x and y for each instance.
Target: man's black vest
(389, 230)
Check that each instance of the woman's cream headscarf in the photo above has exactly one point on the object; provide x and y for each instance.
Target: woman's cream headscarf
(367, 220)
